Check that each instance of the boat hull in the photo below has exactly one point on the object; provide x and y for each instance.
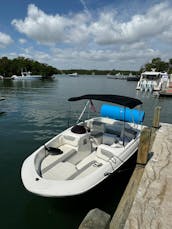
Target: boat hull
(26, 77)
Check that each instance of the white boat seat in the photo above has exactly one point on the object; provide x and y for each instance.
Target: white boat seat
(70, 140)
(61, 171)
(86, 169)
(51, 160)
(106, 152)
(103, 153)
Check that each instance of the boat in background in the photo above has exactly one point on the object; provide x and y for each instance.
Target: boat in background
(74, 74)
(84, 155)
(118, 76)
(26, 76)
(166, 93)
(152, 81)
(132, 77)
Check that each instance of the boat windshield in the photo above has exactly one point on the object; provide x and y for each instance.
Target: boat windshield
(151, 77)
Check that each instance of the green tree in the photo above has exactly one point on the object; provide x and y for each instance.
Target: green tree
(157, 64)
(15, 66)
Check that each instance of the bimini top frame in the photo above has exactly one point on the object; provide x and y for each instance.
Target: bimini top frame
(117, 99)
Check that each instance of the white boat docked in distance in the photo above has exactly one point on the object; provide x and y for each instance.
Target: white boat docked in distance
(152, 81)
(82, 156)
(2, 98)
(26, 76)
(74, 74)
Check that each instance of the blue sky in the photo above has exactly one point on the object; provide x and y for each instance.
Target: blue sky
(90, 34)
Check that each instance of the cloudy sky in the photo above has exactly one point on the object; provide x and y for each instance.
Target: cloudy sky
(90, 34)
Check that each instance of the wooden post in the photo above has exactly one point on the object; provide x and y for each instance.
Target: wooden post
(121, 214)
(156, 117)
(144, 144)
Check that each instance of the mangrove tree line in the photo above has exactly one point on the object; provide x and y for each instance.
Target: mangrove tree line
(9, 67)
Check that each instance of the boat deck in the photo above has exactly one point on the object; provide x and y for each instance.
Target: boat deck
(76, 162)
(82, 154)
(74, 165)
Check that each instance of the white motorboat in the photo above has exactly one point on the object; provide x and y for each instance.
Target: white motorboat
(26, 76)
(152, 81)
(85, 154)
(74, 74)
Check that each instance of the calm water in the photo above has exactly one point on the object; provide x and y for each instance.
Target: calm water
(35, 111)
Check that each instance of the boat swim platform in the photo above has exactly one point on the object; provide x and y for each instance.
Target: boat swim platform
(147, 200)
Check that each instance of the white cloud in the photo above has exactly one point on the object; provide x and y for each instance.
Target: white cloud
(77, 31)
(52, 29)
(123, 58)
(22, 41)
(85, 37)
(41, 27)
(5, 40)
(108, 30)
(105, 29)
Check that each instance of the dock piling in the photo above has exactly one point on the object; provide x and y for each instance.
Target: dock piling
(142, 155)
(156, 117)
